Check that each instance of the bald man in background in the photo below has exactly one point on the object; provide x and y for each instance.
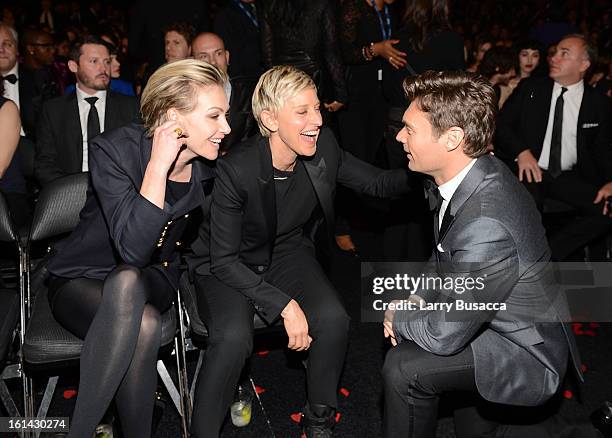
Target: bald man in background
(209, 47)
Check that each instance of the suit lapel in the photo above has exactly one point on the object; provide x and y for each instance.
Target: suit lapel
(316, 173)
(74, 126)
(109, 114)
(584, 115)
(542, 109)
(467, 187)
(265, 181)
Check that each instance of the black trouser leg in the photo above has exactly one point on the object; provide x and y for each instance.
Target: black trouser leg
(300, 275)
(121, 324)
(413, 380)
(228, 315)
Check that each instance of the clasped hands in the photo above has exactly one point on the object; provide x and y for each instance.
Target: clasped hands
(389, 315)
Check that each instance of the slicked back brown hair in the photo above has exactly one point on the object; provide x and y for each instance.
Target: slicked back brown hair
(460, 99)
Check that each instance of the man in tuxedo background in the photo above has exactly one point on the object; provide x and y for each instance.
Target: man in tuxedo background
(68, 122)
(209, 47)
(487, 228)
(556, 132)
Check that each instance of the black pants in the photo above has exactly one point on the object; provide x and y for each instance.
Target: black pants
(120, 320)
(229, 318)
(413, 381)
(589, 223)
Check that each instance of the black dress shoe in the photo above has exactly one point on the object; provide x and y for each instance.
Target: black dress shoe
(318, 421)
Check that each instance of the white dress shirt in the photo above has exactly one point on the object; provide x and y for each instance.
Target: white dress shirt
(572, 99)
(448, 189)
(84, 108)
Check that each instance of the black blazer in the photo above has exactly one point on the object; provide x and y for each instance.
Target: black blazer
(59, 149)
(520, 354)
(524, 117)
(236, 246)
(241, 118)
(117, 224)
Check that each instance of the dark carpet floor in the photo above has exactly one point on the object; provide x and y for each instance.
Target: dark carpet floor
(281, 378)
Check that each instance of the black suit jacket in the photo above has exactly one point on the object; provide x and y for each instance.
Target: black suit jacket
(236, 246)
(117, 224)
(35, 88)
(520, 355)
(241, 118)
(524, 117)
(59, 149)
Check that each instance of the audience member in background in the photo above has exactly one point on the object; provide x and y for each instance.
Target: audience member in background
(60, 63)
(69, 122)
(12, 182)
(481, 44)
(177, 41)
(112, 279)
(117, 84)
(426, 37)
(603, 84)
(237, 25)
(210, 47)
(303, 33)
(367, 43)
(556, 133)
(257, 254)
(529, 55)
(497, 66)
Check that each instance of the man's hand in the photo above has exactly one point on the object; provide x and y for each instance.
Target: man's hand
(296, 326)
(388, 326)
(602, 195)
(528, 166)
(333, 106)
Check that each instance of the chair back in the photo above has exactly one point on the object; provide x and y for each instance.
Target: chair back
(8, 231)
(58, 206)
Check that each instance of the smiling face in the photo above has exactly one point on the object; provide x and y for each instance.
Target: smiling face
(176, 47)
(206, 125)
(426, 154)
(528, 61)
(569, 63)
(297, 125)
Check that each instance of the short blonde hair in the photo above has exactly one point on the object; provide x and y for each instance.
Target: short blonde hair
(175, 85)
(274, 88)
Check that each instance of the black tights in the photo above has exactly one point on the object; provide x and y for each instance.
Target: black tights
(120, 322)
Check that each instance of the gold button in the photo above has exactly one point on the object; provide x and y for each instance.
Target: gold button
(169, 223)
(165, 264)
(178, 243)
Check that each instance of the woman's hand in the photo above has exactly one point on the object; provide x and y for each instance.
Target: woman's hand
(296, 326)
(333, 106)
(167, 143)
(386, 50)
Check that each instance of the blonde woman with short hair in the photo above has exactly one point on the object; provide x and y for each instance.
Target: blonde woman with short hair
(115, 275)
(264, 215)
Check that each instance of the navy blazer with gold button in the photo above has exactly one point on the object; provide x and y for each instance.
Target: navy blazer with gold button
(117, 224)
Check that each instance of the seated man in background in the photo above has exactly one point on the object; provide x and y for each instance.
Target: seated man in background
(69, 122)
(556, 132)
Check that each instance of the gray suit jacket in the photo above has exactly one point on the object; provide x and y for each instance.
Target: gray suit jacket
(496, 234)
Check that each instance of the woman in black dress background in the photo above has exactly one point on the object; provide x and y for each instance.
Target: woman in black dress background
(426, 36)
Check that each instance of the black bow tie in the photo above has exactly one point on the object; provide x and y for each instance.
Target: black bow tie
(433, 195)
(12, 78)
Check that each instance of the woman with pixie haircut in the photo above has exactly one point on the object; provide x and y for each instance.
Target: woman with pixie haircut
(115, 275)
(258, 255)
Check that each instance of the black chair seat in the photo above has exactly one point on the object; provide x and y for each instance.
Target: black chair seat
(9, 317)
(47, 342)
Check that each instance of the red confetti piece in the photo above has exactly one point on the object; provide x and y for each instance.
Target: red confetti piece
(303, 435)
(568, 394)
(263, 353)
(345, 392)
(69, 393)
(259, 389)
(297, 417)
(338, 415)
(579, 331)
(583, 368)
